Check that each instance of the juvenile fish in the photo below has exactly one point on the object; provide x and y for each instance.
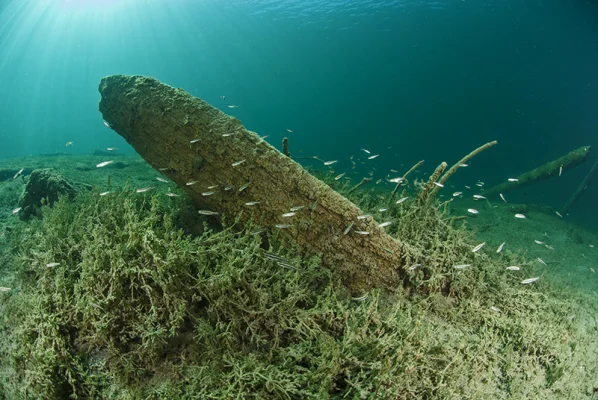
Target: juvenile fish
(365, 216)
(457, 194)
(362, 232)
(194, 141)
(541, 261)
(473, 211)
(252, 203)
(348, 229)
(530, 280)
(191, 183)
(18, 173)
(103, 164)
(172, 195)
(296, 208)
(414, 266)
(397, 180)
(207, 212)
(462, 266)
(513, 268)
(244, 187)
(362, 298)
(520, 216)
(496, 309)
(111, 148)
(283, 226)
(478, 247)
(374, 156)
(366, 151)
(502, 245)
(478, 197)
(559, 214)
(143, 190)
(162, 180)
(212, 187)
(439, 184)
(289, 214)
(503, 198)
(237, 163)
(16, 210)
(208, 193)
(104, 193)
(399, 201)
(538, 242)
(513, 180)
(339, 176)
(383, 209)
(330, 162)
(52, 264)
(384, 224)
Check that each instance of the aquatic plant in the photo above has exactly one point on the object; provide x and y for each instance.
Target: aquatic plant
(138, 309)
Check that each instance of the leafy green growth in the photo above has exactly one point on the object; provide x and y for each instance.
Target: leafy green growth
(138, 309)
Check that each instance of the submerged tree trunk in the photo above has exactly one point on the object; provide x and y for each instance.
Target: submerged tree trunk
(188, 140)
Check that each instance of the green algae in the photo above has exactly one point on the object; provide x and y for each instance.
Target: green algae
(137, 308)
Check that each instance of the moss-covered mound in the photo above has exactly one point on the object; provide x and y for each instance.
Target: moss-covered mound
(114, 301)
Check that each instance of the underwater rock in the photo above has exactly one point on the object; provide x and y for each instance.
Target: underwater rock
(199, 147)
(44, 186)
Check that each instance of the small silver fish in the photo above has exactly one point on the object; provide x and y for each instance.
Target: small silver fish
(104, 193)
(228, 134)
(362, 232)
(496, 309)
(365, 216)
(439, 184)
(549, 247)
(226, 189)
(530, 280)
(457, 194)
(361, 298)
(207, 212)
(194, 141)
(52, 264)
(111, 148)
(478, 197)
(244, 186)
(212, 187)
(513, 180)
(162, 180)
(252, 203)
(384, 224)
(374, 156)
(296, 208)
(107, 124)
(103, 164)
(348, 229)
(233, 106)
(143, 190)
(191, 183)
(541, 261)
(396, 180)
(560, 170)
(284, 226)
(462, 266)
(16, 210)
(464, 165)
(468, 187)
(289, 214)
(330, 162)
(383, 209)
(513, 268)
(402, 199)
(414, 266)
(502, 245)
(366, 151)
(520, 216)
(18, 173)
(538, 242)
(237, 163)
(208, 193)
(172, 195)
(339, 176)
(473, 211)
(502, 197)
(559, 214)
(478, 247)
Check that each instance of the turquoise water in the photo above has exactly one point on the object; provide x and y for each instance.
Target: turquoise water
(407, 80)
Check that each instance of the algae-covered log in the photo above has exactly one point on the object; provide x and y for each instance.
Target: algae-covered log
(190, 141)
(548, 170)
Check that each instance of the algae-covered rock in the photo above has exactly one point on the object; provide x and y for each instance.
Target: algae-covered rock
(44, 186)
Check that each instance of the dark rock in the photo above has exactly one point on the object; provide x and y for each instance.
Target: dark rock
(44, 186)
